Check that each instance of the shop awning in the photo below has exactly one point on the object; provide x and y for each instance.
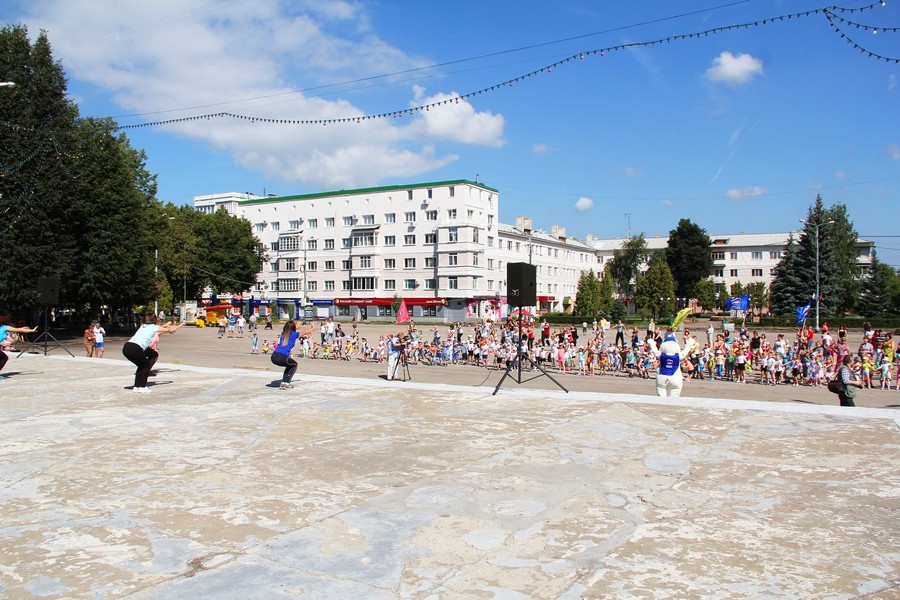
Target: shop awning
(425, 301)
(363, 301)
(546, 298)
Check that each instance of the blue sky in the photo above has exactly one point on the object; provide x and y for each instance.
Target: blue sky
(738, 131)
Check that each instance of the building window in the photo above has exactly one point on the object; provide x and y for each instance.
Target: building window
(312, 223)
(365, 262)
(312, 265)
(429, 194)
(453, 259)
(311, 286)
(733, 273)
(429, 262)
(346, 265)
(346, 242)
(329, 265)
(274, 246)
(329, 244)
(260, 227)
(385, 311)
(409, 194)
(475, 260)
(475, 236)
(775, 255)
(409, 263)
(364, 239)
(451, 214)
(390, 284)
(288, 285)
(294, 224)
(312, 244)
(491, 284)
(431, 215)
(756, 272)
(453, 283)
(409, 217)
(733, 255)
(363, 283)
(368, 219)
(757, 256)
(345, 285)
(348, 221)
(719, 273)
(718, 256)
(390, 240)
(276, 225)
(518, 246)
(409, 240)
(343, 311)
(390, 218)
(329, 286)
(490, 263)
(273, 266)
(431, 284)
(453, 234)
(452, 191)
(491, 241)
(289, 243)
(390, 263)
(431, 238)
(329, 221)
(409, 284)
(274, 287)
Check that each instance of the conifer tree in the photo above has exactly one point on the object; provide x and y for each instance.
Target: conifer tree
(655, 291)
(875, 290)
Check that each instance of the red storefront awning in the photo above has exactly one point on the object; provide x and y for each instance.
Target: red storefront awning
(363, 301)
(545, 298)
(425, 301)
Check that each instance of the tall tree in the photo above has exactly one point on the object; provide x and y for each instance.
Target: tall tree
(587, 298)
(655, 293)
(688, 256)
(875, 293)
(788, 288)
(626, 263)
(229, 253)
(737, 289)
(758, 295)
(705, 292)
(606, 292)
(817, 259)
(37, 127)
(842, 239)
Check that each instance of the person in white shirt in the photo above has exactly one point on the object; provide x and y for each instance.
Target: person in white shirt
(99, 332)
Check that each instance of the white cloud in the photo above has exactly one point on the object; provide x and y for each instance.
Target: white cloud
(632, 172)
(747, 192)
(840, 175)
(251, 59)
(892, 82)
(584, 203)
(734, 70)
(540, 149)
(666, 202)
(893, 151)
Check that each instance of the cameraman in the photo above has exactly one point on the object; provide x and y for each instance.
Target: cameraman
(394, 348)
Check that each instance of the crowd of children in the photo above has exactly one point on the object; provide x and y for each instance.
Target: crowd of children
(737, 356)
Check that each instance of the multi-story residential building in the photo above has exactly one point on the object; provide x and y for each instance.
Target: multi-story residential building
(743, 257)
(440, 246)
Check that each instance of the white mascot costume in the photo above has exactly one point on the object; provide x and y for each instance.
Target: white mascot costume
(668, 377)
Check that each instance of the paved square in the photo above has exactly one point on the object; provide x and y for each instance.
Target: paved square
(219, 485)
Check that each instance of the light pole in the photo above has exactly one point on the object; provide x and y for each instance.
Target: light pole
(816, 225)
(7, 84)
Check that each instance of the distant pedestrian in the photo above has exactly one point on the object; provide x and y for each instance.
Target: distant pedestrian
(99, 344)
(89, 340)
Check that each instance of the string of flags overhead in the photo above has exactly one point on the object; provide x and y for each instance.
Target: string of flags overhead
(831, 13)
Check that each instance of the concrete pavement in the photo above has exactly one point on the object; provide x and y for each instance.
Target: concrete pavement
(218, 485)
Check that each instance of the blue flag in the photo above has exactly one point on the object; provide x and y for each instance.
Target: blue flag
(802, 311)
(737, 303)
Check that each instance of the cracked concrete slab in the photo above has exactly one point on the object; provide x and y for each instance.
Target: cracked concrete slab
(217, 485)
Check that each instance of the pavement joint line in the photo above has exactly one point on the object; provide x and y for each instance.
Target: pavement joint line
(858, 412)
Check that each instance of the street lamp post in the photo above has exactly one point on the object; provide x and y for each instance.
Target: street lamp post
(816, 225)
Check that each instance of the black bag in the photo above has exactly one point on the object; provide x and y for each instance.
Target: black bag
(836, 385)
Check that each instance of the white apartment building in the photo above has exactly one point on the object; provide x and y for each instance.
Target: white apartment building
(437, 245)
(440, 246)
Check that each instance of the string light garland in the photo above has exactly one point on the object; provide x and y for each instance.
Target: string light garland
(830, 13)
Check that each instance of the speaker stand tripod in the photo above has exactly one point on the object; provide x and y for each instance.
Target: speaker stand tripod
(520, 356)
(45, 336)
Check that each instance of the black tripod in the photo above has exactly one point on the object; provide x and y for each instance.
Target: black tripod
(45, 335)
(520, 356)
(402, 366)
